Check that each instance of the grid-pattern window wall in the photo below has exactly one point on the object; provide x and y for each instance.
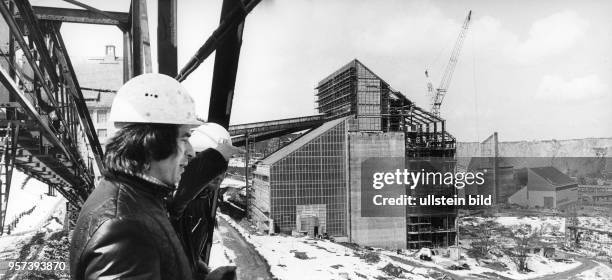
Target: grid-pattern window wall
(368, 100)
(313, 174)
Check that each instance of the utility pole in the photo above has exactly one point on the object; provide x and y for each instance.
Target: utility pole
(246, 171)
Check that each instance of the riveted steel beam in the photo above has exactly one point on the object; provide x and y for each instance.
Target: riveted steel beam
(97, 11)
(229, 21)
(80, 16)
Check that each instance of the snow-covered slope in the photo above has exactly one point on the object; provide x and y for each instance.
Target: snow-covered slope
(32, 196)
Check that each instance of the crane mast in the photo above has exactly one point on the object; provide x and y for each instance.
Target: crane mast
(439, 93)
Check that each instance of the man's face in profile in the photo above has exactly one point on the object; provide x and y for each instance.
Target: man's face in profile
(173, 166)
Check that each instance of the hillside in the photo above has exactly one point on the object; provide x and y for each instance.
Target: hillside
(575, 157)
(543, 148)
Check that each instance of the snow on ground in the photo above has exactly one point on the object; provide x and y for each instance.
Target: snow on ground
(541, 266)
(10, 244)
(230, 182)
(600, 272)
(236, 162)
(551, 229)
(46, 241)
(56, 221)
(21, 200)
(219, 254)
(323, 259)
(49, 243)
(600, 223)
(443, 263)
(547, 223)
(43, 210)
(305, 258)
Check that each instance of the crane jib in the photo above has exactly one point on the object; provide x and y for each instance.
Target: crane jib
(438, 95)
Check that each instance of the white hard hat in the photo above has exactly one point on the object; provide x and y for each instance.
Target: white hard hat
(212, 135)
(153, 98)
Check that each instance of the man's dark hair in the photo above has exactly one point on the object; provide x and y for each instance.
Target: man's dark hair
(136, 145)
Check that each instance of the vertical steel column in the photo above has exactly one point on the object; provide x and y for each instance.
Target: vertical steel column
(246, 169)
(225, 69)
(128, 68)
(141, 47)
(136, 39)
(128, 62)
(146, 43)
(166, 37)
(435, 134)
(444, 137)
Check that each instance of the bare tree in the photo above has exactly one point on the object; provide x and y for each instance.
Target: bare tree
(524, 237)
(484, 239)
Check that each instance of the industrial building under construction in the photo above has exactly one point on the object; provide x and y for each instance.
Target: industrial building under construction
(313, 184)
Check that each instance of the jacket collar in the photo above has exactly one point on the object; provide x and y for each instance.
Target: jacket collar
(141, 182)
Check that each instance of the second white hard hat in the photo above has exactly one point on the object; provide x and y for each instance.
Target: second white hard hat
(153, 98)
(212, 135)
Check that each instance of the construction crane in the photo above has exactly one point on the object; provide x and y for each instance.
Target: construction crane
(437, 96)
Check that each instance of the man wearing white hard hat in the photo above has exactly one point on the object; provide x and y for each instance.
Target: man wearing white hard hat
(123, 230)
(193, 207)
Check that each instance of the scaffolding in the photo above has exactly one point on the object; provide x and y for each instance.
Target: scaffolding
(430, 231)
(375, 107)
(356, 90)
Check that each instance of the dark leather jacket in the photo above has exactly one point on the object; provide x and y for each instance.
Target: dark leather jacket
(207, 165)
(191, 217)
(123, 232)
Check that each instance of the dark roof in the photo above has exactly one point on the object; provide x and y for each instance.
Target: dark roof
(553, 176)
(99, 73)
(105, 98)
(301, 141)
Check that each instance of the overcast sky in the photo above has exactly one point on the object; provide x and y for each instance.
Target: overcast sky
(528, 69)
